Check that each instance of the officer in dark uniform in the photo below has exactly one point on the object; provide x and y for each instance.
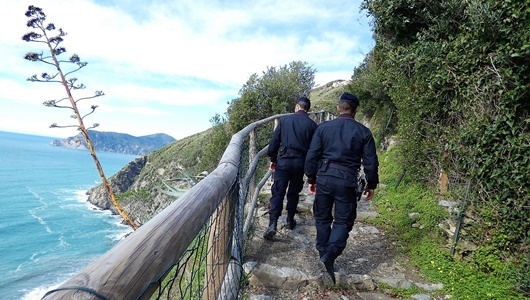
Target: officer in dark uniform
(337, 150)
(287, 151)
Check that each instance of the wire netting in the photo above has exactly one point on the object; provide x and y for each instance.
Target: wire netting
(202, 272)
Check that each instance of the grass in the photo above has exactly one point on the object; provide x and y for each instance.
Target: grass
(426, 244)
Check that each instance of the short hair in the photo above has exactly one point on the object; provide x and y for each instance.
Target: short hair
(346, 106)
(348, 102)
(303, 105)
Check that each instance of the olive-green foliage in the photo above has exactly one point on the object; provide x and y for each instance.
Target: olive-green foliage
(457, 73)
(326, 97)
(168, 163)
(276, 91)
(368, 85)
(401, 21)
(218, 138)
(183, 154)
(485, 277)
(375, 104)
(142, 194)
(464, 280)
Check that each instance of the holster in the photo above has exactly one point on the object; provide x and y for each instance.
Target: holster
(281, 151)
(324, 164)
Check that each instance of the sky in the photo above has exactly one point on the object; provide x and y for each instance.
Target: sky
(169, 66)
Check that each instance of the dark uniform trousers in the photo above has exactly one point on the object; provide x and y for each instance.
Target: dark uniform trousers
(338, 150)
(288, 179)
(333, 227)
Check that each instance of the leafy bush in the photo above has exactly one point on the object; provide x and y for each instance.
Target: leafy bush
(457, 75)
(485, 277)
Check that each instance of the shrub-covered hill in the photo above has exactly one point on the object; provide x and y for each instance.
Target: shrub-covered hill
(140, 185)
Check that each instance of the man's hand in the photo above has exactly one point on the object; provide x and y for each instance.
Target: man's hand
(313, 188)
(272, 166)
(369, 194)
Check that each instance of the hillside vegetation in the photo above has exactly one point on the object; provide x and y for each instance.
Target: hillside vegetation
(450, 80)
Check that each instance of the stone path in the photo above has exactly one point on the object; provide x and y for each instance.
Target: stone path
(288, 267)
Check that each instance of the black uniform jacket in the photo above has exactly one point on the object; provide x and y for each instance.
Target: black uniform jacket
(337, 150)
(292, 136)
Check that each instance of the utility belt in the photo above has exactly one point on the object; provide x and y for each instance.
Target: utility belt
(285, 152)
(326, 163)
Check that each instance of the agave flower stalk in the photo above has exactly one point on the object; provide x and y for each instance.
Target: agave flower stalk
(44, 34)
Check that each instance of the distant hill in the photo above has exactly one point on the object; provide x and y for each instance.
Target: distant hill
(117, 142)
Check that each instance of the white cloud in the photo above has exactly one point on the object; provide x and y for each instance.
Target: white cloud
(163, 57)
(138, 95)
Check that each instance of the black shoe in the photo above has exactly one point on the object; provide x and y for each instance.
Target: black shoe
(270, 232)
(291, 222)
(328, 263)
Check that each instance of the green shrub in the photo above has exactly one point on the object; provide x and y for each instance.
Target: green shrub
(485, 276)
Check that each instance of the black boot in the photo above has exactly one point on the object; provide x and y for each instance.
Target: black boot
(291, 223)
(328, 263)
(271, 230)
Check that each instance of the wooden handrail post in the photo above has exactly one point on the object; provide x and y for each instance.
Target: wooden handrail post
(252, 150)
(220, 244)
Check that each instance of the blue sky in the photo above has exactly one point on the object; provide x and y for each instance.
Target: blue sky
(170, 66)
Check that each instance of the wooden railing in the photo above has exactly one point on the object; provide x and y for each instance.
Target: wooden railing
(135, 267)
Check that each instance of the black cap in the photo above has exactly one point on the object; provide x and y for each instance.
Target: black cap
(306, 100)
(349, 98)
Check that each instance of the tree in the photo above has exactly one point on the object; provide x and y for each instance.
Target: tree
(274, 92)
(45, 35)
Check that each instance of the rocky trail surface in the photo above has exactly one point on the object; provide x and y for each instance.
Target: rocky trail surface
(288, 266)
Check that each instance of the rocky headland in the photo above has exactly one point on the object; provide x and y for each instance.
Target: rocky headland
(117, 142)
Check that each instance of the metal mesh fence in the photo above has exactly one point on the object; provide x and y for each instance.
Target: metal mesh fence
(201, 270)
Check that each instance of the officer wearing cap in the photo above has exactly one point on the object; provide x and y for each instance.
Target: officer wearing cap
(337, 150)
(287, 151)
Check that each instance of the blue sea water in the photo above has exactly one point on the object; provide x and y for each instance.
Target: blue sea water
(48, 231)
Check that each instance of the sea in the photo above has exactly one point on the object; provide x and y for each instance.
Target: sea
(48, 230)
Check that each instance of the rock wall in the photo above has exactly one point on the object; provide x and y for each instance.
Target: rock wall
(120, 183)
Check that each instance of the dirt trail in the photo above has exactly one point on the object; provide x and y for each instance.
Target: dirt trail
(288, 266)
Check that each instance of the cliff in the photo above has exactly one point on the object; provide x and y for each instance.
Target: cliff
(140, 187)
(117, 142)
